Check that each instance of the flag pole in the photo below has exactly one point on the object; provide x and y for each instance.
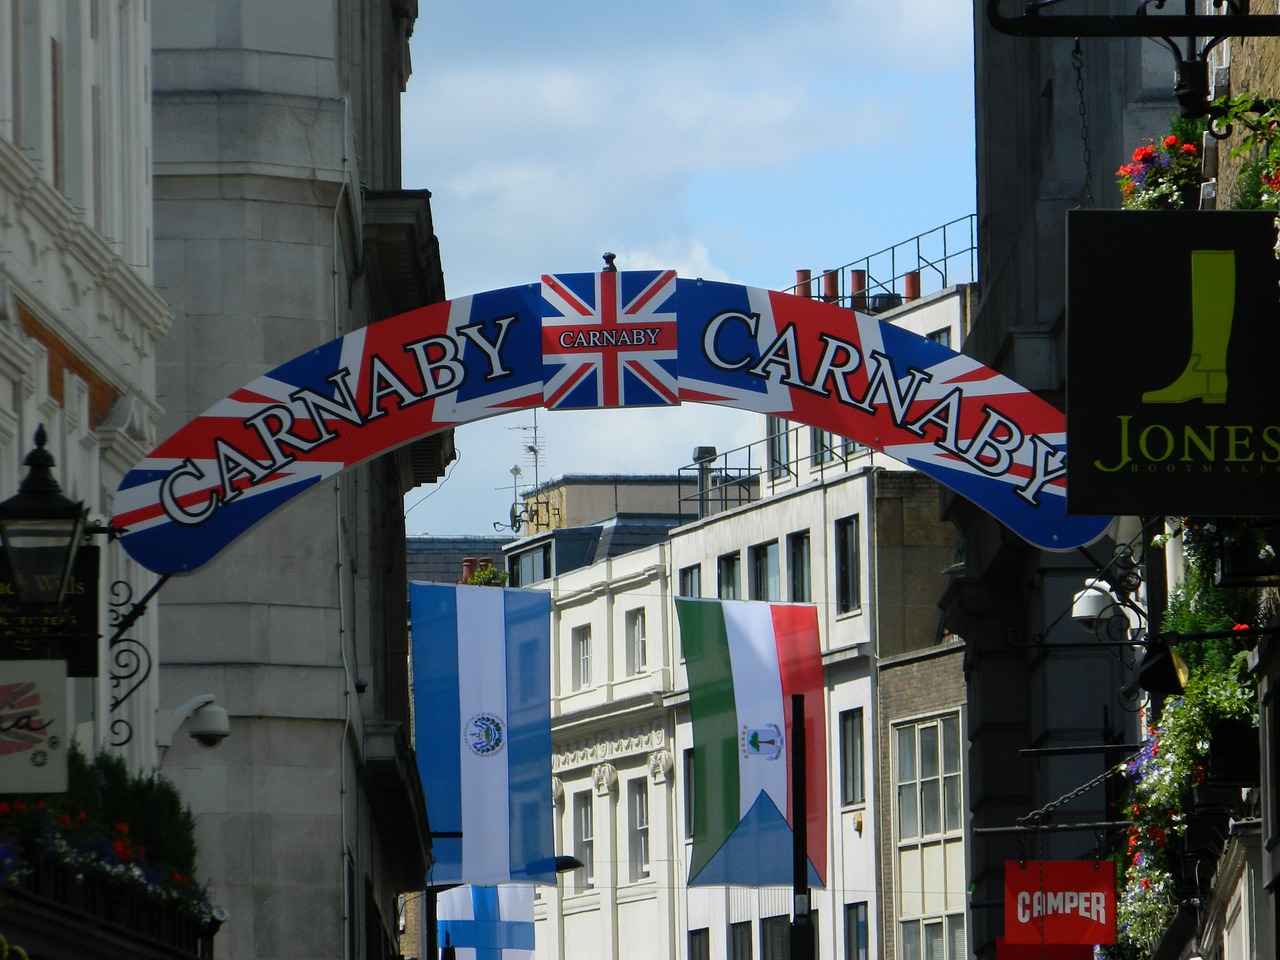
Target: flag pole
(802, 939)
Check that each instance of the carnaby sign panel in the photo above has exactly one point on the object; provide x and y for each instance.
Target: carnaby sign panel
(614, 339)
(1173, 326)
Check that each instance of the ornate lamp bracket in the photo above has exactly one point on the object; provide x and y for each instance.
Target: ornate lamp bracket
(1199, 34)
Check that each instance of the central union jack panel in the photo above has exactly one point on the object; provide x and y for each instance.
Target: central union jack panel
(609, 340)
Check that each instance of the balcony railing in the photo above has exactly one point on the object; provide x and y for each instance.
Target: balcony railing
(99, 915)
(943, 257)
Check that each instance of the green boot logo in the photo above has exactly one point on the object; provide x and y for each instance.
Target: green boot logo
(1213, 306)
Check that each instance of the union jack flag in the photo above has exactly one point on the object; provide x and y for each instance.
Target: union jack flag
(609, 340)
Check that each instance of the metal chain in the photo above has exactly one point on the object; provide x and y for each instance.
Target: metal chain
(1039, 816)
(1077, 60)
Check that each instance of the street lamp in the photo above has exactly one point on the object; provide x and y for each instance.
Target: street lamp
(41, 530)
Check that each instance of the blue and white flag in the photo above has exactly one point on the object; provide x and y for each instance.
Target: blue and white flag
(487, 923)
(482, 703)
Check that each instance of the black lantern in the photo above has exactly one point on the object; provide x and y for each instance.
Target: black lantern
(1161, 671)
(41, 530)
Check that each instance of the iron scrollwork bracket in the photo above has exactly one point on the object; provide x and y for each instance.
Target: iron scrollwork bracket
(130, 659)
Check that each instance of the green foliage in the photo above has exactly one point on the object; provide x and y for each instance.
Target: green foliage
(159, 821)
(1197, 606)
(488, 577)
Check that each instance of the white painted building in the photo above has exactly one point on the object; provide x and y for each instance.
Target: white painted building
(830, 523)
(79, 317)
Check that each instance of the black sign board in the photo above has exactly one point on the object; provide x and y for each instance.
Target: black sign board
(36, 632)
(1173, 357)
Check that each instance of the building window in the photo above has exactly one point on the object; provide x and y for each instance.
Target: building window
(852, 789)
(691, 581)
(798, 569)
(728, 576)
(848, 566)
(942, 336)
(633, 627)
(584, 843)
(855, 931)
(700, 944)
(530, 566)
(688, 794)
(775, 938)
(764, 576)
(581, 644)
(740, 940)
(822, 447)
(777, 447)
(638, 827)
(929, 838)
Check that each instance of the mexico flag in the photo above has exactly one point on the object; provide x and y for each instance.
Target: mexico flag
(744, 662)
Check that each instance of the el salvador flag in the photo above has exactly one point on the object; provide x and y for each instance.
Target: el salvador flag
(482, 707)
(487, 923)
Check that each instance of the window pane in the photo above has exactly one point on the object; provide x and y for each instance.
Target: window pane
(930, 807)
(910, 935)
(740, 940)
(908, 824)
(855, 931)
(688, 794)
(851, 757)
(848, 573)
(929, 751)
(775, 938)
(955, 937)
(727, 576)
(798, 566)
(906, 754)
(700, 944)
(951, 801)
(934, 945)
(691, 581)
(951, 745)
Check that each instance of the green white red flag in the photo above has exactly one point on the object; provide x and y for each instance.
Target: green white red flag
(744, 662)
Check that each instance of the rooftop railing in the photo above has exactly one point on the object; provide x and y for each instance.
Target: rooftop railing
(926, 263)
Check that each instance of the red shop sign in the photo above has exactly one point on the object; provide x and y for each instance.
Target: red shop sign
(1054, 902)
(1036, 951)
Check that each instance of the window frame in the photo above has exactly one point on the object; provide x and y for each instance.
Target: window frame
(580, 650)
(764, 571)
(584, 841)
(729, 575)
(800, 566)
(634, 627)
(848, 564)
(638, 829)
(853, 779)
(690, 584)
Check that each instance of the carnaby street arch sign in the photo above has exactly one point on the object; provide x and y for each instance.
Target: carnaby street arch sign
(591, 340)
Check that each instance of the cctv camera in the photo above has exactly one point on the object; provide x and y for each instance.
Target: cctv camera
(1090, 606)
(209, 725)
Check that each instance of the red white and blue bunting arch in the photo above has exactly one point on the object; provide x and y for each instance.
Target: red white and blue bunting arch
(592, 340)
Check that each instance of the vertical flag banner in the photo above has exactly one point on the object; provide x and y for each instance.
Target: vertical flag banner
(487, 923)
(1059, 902)
(482, 690)
(744, 662)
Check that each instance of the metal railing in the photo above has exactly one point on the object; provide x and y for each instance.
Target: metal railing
(926, 263)
(784, 460)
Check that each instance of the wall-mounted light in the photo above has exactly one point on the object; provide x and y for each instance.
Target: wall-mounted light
(42, 530)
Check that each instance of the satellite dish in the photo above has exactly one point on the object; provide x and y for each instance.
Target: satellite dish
(515, 518)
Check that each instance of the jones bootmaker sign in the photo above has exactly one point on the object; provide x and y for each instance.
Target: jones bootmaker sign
(1173, 330)
(612, 339)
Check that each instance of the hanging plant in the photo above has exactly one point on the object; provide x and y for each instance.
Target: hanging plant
(1173, 759)
(1164, 174)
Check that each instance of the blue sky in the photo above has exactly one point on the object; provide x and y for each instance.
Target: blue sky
(735, 142)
